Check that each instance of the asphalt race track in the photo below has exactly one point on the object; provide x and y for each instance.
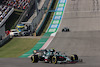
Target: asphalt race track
(82, 18)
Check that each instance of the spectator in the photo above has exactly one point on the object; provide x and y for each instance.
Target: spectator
(4, 11)
(20, 4)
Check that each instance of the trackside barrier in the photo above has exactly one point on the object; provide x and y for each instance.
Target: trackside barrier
(3, 41)
(41, 27)
(55, 23)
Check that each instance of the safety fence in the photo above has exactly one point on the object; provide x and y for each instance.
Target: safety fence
(38, 18)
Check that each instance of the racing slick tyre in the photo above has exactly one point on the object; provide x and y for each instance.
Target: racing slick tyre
(54, 60)
(62, 30)
(74, 57)
(34, 59)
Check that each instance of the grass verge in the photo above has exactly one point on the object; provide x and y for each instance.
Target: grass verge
(17, 47)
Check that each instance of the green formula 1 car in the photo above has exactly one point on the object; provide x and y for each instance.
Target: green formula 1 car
(53, 57)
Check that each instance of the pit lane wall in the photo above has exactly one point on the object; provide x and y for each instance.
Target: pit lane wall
(51, 31)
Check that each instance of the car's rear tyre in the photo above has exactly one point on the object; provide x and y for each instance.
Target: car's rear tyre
(74, 57)
(34, 58)
(67, 30)
(54, 60)
(62, 30)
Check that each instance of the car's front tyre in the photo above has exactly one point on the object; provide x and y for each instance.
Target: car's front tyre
(34, 59)
(62, 30)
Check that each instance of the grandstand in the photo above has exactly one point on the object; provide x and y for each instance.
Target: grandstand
(5, 12)
(19, 4)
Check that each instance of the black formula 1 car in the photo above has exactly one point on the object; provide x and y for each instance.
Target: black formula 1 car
(53, 57)
(65, 29)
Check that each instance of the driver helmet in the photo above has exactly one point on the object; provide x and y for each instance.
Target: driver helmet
(34, 51)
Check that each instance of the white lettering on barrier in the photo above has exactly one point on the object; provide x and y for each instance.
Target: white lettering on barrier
(61, 5)
(56, 21)
(62, 1)
(60, 9)
(52, 30)
(54, 26)
(58, 13)
(57, 17)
